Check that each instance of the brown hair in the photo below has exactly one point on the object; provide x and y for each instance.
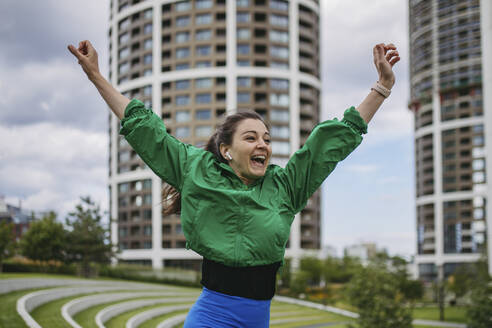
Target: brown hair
(171, 198)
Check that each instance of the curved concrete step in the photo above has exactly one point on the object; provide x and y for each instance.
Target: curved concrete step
(30, 301)
(114, 310)
(77, 305)
(140, 318)
(171, 322)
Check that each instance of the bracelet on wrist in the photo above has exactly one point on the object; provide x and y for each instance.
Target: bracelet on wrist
(379, 88)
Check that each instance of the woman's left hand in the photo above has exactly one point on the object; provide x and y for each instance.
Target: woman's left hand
(385, 57)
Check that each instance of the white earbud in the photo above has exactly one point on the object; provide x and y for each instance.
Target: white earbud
(229, 157)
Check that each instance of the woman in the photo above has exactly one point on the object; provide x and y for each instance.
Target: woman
(236, 210)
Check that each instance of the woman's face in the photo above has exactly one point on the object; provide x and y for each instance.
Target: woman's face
(250, 150)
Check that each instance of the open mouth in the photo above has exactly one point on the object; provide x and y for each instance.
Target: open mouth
(258, 160)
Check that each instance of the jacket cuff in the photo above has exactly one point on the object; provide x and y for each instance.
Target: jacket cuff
(352, 118)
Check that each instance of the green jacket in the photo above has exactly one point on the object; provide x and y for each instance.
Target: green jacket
(223, 219)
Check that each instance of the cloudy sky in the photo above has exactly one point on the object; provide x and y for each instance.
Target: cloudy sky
(53, 124)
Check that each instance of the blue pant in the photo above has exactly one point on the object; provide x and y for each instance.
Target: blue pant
(216, 310)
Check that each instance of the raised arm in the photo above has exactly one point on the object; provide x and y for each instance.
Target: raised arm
(87, 56)
(385, 57)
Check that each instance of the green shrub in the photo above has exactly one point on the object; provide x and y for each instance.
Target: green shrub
(380, 302)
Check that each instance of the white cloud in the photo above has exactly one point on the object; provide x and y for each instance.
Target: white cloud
(49, 166)
(350, 28)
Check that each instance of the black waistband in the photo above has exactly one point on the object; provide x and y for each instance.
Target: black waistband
(256, 282)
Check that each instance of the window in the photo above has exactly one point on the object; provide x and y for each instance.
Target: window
(279, 84)
(203, 50)
(123, 68)
(279, 99)
(202, 4)
(182, 132)
(182, 21)
(203, 83)
(279, 5)
(124, 23)
(203, 114)
(183, 6)
(243, 81)
(279, 36)
(203, 131)
(147, 90)
(478, 177)
(148, 44)
(148, 14)
(281, 147)
(182, 84)
(243, 63)
(183, 116)
(137, 201)
(242, 3)
(280, 65)
(124, 37)
(243, 97)
(279, 20)
(123, 187)
(182, 100)
(203, 63)
(138, 185)
(203, 98)
(148, 28)
(203, 35)
(243, 34)
(279, 52)
(478, 152)
(243, 49)
(478, 140)
(202, 19)
(478, 164)
(279, 115)
(279, 131)
(147, 199)
(182, 37)
(147, 184)
(147, 59)
(124, 53)
(182, 52)
(242, 17)
(182, 66)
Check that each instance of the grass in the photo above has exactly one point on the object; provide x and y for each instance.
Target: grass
(35, 275)
(8, 309)
(453, 313)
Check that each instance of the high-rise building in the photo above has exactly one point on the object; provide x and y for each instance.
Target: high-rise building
(450, 72)
(194, 62)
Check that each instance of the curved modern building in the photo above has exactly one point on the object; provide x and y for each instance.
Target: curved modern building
(450, 70)
(194, 62)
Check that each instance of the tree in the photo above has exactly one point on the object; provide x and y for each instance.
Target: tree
(314, 268)
(375, 292)
(89, 240)
(480, 308)
(7, 241)
(45, 240)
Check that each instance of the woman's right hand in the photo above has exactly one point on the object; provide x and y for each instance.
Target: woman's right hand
(87, 56)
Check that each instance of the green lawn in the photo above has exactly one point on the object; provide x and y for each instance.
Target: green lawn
(8, 309)
(451, 313)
